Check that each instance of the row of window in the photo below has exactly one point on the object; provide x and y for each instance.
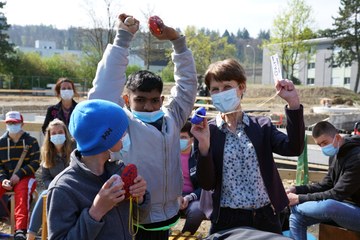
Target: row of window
(311, 81)
(334, 65)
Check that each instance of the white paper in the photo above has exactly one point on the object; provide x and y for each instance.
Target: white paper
(276, 67)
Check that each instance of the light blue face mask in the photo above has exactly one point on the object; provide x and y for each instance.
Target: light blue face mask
(184, 144)
(115, 156)
(58, 139)
(13, 128)
(148, 117)
(329, 150)
(226, 101)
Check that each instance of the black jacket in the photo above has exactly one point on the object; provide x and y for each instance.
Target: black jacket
(266, 139)
(342, 181)
(10, 153)
(193, 177)
(55, 111)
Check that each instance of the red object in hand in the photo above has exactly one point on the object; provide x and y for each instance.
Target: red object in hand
(128, 176)
(156, 25)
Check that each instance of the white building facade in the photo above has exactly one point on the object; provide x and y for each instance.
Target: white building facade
(315, 69)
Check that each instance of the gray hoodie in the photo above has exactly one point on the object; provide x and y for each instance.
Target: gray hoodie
(70, 197)
(155, 153)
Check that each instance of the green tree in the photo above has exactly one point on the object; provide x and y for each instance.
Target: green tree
(6, 48)
(207, 47)
(264, 35)
(346, 35)
(290, 28)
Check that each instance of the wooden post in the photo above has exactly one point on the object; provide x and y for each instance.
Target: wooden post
(44, 220)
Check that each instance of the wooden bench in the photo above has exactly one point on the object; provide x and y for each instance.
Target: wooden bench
(332, 232)
(11, 195)
(12, 210)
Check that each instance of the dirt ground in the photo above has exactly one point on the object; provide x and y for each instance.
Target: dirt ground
(254, 99)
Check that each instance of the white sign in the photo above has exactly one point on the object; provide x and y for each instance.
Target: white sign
(276, 67)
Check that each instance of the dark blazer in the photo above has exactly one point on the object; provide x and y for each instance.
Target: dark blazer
(267, 139)
(55, 111)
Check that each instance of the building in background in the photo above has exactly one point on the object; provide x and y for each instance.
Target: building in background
(48, 49)
(314, 69)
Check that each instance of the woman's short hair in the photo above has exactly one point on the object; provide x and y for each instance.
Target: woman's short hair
(225, 70)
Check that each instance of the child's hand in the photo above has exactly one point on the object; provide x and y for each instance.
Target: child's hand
(6, 184)
(14, 180)
(111, 193)
(128, 23)
(184, 203)
(138, 188)
(159, 30)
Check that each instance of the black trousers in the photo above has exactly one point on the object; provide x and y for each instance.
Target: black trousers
(265, 219)
(152, 235)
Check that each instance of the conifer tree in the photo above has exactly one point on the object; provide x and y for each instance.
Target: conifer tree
(6, 48)
(346, 35)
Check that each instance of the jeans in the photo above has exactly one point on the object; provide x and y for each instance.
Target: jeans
(308, 213)
(36, 216)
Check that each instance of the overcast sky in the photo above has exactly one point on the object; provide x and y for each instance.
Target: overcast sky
(214, 15)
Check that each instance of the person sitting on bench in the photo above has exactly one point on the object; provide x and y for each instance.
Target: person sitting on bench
(19, 160)
(337, 197)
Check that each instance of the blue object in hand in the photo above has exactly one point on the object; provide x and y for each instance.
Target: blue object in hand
(198, 115)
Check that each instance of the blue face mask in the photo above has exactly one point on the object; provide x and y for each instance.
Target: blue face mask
(148, 117)
(115, 156)
(329, 150)
(58, 139)
(126, 143)
(226, 101)
(13, 128)
(183, 144)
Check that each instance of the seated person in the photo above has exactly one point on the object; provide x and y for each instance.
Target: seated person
(87, 199)
(19, 160)
(191, 191)
(337, 197)
(55, 157)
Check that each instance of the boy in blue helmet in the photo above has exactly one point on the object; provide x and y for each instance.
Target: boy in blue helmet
(87, 200)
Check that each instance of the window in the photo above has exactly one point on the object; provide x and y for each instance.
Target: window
(310, 81)
(311, 65)
(346, 80)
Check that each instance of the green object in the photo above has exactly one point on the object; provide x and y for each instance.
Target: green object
(164, 228)
(302, 169)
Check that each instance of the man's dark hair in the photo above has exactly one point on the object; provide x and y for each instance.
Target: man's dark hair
(144, 81)
(324, 128)
(187, 128)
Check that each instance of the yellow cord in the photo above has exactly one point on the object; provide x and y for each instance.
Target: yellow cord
(131, 219)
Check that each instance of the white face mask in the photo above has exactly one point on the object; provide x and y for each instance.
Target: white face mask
(58, 139)
(67, 94)
(226, 101)
(13, 128)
